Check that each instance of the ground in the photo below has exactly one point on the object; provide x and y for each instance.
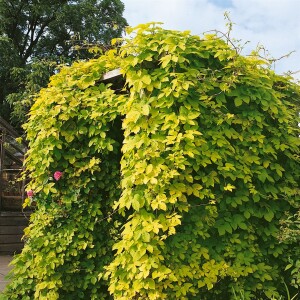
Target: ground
(4, 268)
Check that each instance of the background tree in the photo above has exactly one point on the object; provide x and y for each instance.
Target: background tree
(35, 36)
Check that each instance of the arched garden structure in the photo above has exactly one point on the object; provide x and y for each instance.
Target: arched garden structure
(171, 186)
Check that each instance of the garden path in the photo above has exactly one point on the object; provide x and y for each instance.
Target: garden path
(4, 269)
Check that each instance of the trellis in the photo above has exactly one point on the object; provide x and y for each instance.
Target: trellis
(11, 162)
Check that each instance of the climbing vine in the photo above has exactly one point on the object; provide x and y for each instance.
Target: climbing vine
(171, 187)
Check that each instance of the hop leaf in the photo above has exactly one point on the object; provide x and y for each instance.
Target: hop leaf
(229, 187)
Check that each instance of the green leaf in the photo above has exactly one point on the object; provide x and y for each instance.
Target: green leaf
(288, 266)
(146, 79)
(221, 230)
(269, 215)
(243, 226)
(247, 214)
(238, 101)
(229, 187)
(165, 60)
(145, 110)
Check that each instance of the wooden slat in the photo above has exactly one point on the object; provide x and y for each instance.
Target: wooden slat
(9, 197)
(11, 248)
(13, 157)
(13, 203)
(10, 239)
(8, 128)
(11, 229)
(13, 221)
(14, 197)
(111, 75)
(15, 214)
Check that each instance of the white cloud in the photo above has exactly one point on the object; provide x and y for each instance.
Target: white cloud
(176, 14)
(273, 23)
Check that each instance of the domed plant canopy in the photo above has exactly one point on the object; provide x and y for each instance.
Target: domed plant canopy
(170, 185)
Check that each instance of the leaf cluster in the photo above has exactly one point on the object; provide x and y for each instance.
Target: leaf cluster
(174, 187)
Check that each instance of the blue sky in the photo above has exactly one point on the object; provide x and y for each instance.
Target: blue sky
(275, 24)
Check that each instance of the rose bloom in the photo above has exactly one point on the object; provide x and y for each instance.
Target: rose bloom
(30, 193)
(57, 175)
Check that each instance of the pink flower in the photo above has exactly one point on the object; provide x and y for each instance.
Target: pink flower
(57, 175)
(30, 193)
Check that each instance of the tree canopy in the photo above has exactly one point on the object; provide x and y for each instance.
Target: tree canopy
(172, 186)
(34, 34)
